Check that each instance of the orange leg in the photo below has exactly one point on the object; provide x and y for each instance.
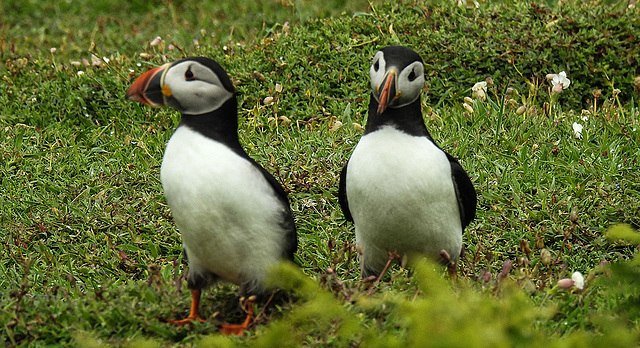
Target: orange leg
(238, 329)
(194, 315)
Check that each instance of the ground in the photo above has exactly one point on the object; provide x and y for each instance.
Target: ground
(93, 256)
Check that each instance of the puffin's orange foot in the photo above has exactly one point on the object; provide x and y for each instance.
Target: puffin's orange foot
(194, 314)
(232, 329)
(238, 329)
(186, 321)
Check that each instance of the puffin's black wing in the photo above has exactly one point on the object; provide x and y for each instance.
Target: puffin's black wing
(287, 223)
(342, 194)
(465, 192)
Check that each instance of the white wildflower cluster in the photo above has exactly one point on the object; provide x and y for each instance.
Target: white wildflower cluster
(479, 90)
(559, 82)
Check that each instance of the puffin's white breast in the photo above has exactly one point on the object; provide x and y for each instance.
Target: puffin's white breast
(401, 196)
(226, 211)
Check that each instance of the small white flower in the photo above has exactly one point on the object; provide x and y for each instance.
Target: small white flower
(155, 41)
(480, 85)
(561, 79)
(577, 129)
(278, 88)
(578, 280)
(479, 89)
(267, 101)
(95, 61)
(53, 50)
(80, 72)
(468, 107)
(309, 203)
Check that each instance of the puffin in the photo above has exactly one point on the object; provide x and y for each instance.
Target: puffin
(404, 194)
(234, 217)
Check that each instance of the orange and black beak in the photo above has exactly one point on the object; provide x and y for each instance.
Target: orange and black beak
(149, 88)
(387, 91)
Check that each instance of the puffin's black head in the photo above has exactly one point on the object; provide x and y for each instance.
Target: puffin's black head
(193, 86)
(397, 77)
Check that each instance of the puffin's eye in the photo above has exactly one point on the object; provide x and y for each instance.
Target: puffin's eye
(188, 75)
(376, 65)
(412, 76)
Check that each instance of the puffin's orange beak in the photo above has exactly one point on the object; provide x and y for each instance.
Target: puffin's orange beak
(388, 91)
(148, 89)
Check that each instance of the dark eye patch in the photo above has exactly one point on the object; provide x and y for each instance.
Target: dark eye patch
(412, 76)
(188, 75)
(376, 65)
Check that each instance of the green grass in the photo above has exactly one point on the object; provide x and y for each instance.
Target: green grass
(90, 252)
